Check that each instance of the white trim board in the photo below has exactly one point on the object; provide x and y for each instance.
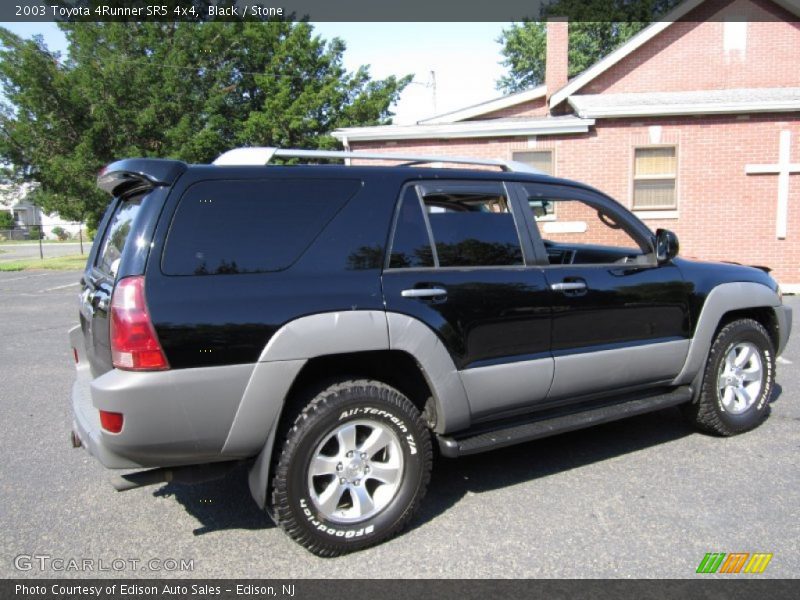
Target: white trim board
(646, 110)
(489, 106)
(469, 129)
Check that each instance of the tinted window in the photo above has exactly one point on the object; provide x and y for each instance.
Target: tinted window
(226, 227)
(117, 234)
(411, 246)
(473, 231)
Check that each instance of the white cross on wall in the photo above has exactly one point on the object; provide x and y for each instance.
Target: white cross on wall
(783, 168)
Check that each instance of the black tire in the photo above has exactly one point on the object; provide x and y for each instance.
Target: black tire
(707, 412)
(353, 402)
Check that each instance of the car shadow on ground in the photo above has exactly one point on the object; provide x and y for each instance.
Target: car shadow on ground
(220, 504)
(454, 479)
(226, 503)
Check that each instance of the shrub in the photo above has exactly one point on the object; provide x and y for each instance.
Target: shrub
(61, 233)
(6, 220)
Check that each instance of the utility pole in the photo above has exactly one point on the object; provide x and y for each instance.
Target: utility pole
(433, 91)
(431, 85)
(37, 217)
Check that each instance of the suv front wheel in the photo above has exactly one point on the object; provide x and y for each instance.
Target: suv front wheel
(737, 382)
(353, 469)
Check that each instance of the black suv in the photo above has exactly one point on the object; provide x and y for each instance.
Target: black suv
(329, 323)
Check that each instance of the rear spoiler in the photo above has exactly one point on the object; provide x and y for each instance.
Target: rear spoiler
(139, 174)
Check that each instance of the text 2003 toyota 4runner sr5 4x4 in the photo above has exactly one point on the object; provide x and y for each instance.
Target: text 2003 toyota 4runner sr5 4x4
(329, 323)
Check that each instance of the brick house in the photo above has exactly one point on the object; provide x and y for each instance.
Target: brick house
(694, 124)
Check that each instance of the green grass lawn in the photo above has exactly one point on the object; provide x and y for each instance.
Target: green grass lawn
(59, 263)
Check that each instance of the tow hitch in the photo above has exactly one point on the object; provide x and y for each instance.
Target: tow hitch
(74, 439)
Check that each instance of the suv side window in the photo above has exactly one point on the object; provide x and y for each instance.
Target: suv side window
(117, 234)
(583, 234)
(466, 229)
(252, 226)
(411, 246)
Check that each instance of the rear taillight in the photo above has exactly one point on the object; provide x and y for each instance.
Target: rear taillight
(134, 344)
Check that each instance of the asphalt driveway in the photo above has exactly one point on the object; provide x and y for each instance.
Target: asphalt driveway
(645, 497)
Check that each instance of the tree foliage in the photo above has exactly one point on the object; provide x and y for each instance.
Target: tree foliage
(6, 220)
(180, 90)
(596, 28)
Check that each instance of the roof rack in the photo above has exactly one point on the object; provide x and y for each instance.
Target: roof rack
(263, 155)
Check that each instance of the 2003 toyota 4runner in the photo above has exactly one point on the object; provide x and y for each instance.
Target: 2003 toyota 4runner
(329, 322)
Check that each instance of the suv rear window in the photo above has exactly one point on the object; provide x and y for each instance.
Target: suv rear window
(227, 227)
(119, 229)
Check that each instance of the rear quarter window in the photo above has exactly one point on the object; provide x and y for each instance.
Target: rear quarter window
(117, 234)
(229, 227)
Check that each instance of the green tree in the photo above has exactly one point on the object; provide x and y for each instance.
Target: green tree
(596, 28)
(179, 90)
(6, 220)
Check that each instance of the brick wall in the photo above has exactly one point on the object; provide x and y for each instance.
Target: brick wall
(693, 55)
(722, 213)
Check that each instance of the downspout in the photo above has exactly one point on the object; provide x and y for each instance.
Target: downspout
(346, 145)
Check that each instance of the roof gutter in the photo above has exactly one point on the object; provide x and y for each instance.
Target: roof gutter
(656, 110)
(477, 129)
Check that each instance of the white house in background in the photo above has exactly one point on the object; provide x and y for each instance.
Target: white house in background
(14, 200)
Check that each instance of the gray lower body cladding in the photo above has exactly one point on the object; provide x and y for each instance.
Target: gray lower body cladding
(175, 417)
(783, 315)
(722, 299)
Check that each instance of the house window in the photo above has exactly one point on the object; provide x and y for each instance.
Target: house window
(538, 159)
(654, 172)
(542, 160)
(21, 217)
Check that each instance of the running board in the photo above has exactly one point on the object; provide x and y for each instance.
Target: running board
(547, 424)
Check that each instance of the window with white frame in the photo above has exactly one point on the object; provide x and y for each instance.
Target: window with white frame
(654, 178)
(542, 160)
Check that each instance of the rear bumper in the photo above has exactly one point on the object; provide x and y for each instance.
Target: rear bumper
(86, 423)
(171, 418)
(783, 314)
(85, 417)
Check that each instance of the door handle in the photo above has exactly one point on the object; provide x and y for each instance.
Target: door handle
(569, 286)
(424, 293)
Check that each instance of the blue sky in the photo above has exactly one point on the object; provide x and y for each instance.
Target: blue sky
(464, 56)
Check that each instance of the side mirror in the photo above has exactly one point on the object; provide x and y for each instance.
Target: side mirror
(666, 245)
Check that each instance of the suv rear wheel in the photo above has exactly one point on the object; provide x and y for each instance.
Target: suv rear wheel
(737, 382)
(353, 470)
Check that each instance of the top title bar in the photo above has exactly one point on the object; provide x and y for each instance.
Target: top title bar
(334, 10)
